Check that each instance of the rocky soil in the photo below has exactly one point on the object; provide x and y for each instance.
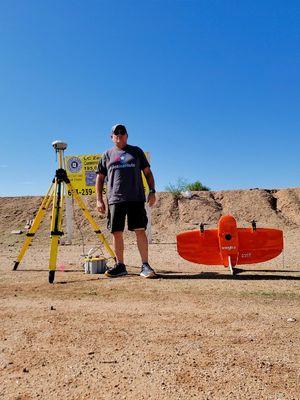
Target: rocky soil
(194, 332)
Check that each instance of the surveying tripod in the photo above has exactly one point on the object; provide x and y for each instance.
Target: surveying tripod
(56, 194)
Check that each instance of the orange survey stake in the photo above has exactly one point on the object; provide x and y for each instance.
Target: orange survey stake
(229, 245)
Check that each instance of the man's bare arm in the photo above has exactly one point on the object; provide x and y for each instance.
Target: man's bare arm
(150, 180)
(99, 188)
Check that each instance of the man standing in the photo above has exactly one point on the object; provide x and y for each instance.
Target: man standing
(121, 166)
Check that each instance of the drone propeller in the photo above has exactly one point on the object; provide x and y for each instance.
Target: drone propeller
(253, 224)
(202, 225)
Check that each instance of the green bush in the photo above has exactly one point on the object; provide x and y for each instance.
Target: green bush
(177, 188)
(182, 185)
(195, 186)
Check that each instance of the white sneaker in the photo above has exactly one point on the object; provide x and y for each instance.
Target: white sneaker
(147, 271)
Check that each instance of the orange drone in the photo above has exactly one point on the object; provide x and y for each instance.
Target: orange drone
(228, 245)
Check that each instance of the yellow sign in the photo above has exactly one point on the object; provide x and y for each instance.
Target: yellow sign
(81, 171)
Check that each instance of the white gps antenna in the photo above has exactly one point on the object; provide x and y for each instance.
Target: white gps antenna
(59, 145)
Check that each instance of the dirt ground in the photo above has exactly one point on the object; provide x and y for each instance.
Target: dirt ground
(194, 332)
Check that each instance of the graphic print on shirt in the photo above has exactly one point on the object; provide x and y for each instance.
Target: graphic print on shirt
(123, 160)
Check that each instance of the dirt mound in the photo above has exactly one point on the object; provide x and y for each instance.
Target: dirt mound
(272, 208)
(288, 203)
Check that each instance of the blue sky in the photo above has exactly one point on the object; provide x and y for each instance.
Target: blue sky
(210, 88)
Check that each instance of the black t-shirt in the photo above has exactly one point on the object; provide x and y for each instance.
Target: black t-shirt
(123, 171)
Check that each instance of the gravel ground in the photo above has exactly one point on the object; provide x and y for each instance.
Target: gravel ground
(194, 332)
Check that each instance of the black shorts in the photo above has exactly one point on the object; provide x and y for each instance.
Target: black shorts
(136, 216)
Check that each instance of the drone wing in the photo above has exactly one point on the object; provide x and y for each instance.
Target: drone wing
(200, 247)
(259, 245)
(253, 246)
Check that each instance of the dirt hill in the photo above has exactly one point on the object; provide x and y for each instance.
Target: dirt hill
(271, 208)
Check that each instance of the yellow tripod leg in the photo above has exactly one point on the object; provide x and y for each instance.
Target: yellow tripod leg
(56, 220)
(91, 220)
(34, 227)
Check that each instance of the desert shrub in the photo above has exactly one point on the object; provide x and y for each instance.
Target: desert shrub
(195, 186)
(176, 188)
(182, 185)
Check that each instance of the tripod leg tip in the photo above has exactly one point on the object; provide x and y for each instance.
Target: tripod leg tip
(51, 276)
(16, 265)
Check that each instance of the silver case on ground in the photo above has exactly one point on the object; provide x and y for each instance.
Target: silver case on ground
(95, 266)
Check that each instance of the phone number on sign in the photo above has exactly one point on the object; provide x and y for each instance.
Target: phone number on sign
(85, 192)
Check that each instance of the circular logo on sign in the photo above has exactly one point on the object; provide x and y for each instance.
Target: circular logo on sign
(74, 164)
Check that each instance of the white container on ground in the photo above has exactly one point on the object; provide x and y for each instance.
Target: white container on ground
(95, 265)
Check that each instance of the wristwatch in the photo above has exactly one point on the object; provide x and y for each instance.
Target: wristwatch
(152, 191)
